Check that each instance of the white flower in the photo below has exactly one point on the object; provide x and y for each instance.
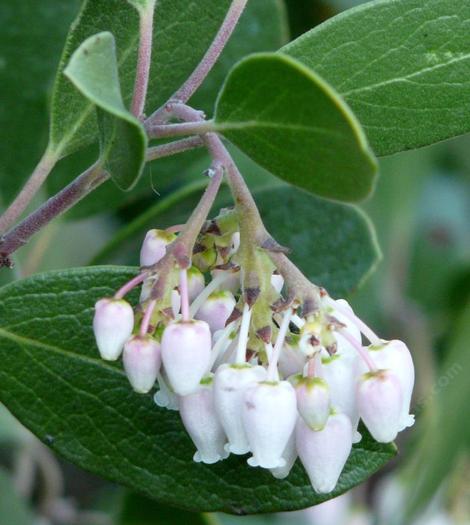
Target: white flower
(269, 415)
(142, 362)
(289, 456)
(113, 324)
(154, 246)
(313, 401)
(216, 310)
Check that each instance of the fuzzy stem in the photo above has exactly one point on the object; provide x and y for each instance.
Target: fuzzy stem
(184, 93)
(184, 294)
(362, 352)
(272, 368)
(243, 335)
(175, 130)
(144, 325)
(144, 59)
(28, 191)
(172, 148)
(130, 285)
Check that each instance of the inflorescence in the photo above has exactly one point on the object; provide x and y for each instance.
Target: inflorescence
(254, 370)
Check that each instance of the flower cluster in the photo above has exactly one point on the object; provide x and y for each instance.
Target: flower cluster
(250, 370)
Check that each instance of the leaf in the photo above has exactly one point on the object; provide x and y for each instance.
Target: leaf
(54, 382)
(446, 434)
(31, 37)
(402, 66)
(13, 510)
(73, 124)
(93, 70)
(303, 133)
(137, 510)
(333, 244)
(261, 27)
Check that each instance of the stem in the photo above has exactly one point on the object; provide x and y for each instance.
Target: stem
(144, 325)
(184, 293)
(144, 58)
(243, 335)
(174, 130)
(28, 191)
(84, 184)
(130, 285)
(197, 77)
(221, 342)
(363, 353)
(272, 368)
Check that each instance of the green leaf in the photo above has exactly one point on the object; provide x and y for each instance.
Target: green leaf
(446, 434)
(333, 244)
(31, 38)
(138, 510)
(403, 67)
(52, 379)
(303, 133)
(93, 70)
(73, 123)
(13, 510)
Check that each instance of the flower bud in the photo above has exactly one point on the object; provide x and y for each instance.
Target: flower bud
(154, 246)
(324, 452)
(216, 310)
(313, 401)
(380, 402)
(230, 384)
(142, 362)
(195, 283)
(199, 419)
(340, 371)
(186, 354)
(113, 324)
(277, 282)
(231, 283)
(291, 361)
(269, 414)
(395, 356)
(289, 456)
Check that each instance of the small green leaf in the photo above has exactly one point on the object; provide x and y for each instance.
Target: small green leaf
(292, 123)
(138, 510)
(13, 510)
(93, 70)
(402, 65)
(53, 380)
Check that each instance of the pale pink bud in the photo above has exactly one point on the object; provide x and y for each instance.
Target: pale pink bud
(289, 456)
(324, 452)
(199, 418)
(186, 354)
(230, 384)
(113, 324)
(232, 281)
(313, 401)
(380, 402)
(216, 310)
(395, 356)
(196, 283)
(341, 371)
(154, 246)
(277, 282)
(269, 415)
(142, 362)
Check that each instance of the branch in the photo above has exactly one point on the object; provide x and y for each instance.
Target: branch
(70, 195)
(29, 190)
(197, 77)
(144, 59)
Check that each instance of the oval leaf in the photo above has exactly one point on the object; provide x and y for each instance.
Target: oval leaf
(93, 70)
(53, 381)
(402, 66)
(303, 132)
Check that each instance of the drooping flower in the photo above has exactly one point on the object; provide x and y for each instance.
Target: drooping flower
(142, 360)
(313, 401)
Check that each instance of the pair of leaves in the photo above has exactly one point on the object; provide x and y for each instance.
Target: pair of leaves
(53, 380)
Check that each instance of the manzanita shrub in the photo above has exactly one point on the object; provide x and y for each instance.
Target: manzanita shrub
(247, 382)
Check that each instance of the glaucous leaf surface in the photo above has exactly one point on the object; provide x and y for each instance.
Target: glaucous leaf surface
(292, 123)
(403, 66)
(54, 382)
(93, 70)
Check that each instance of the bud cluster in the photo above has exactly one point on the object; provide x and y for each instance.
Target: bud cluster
(247, 376)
